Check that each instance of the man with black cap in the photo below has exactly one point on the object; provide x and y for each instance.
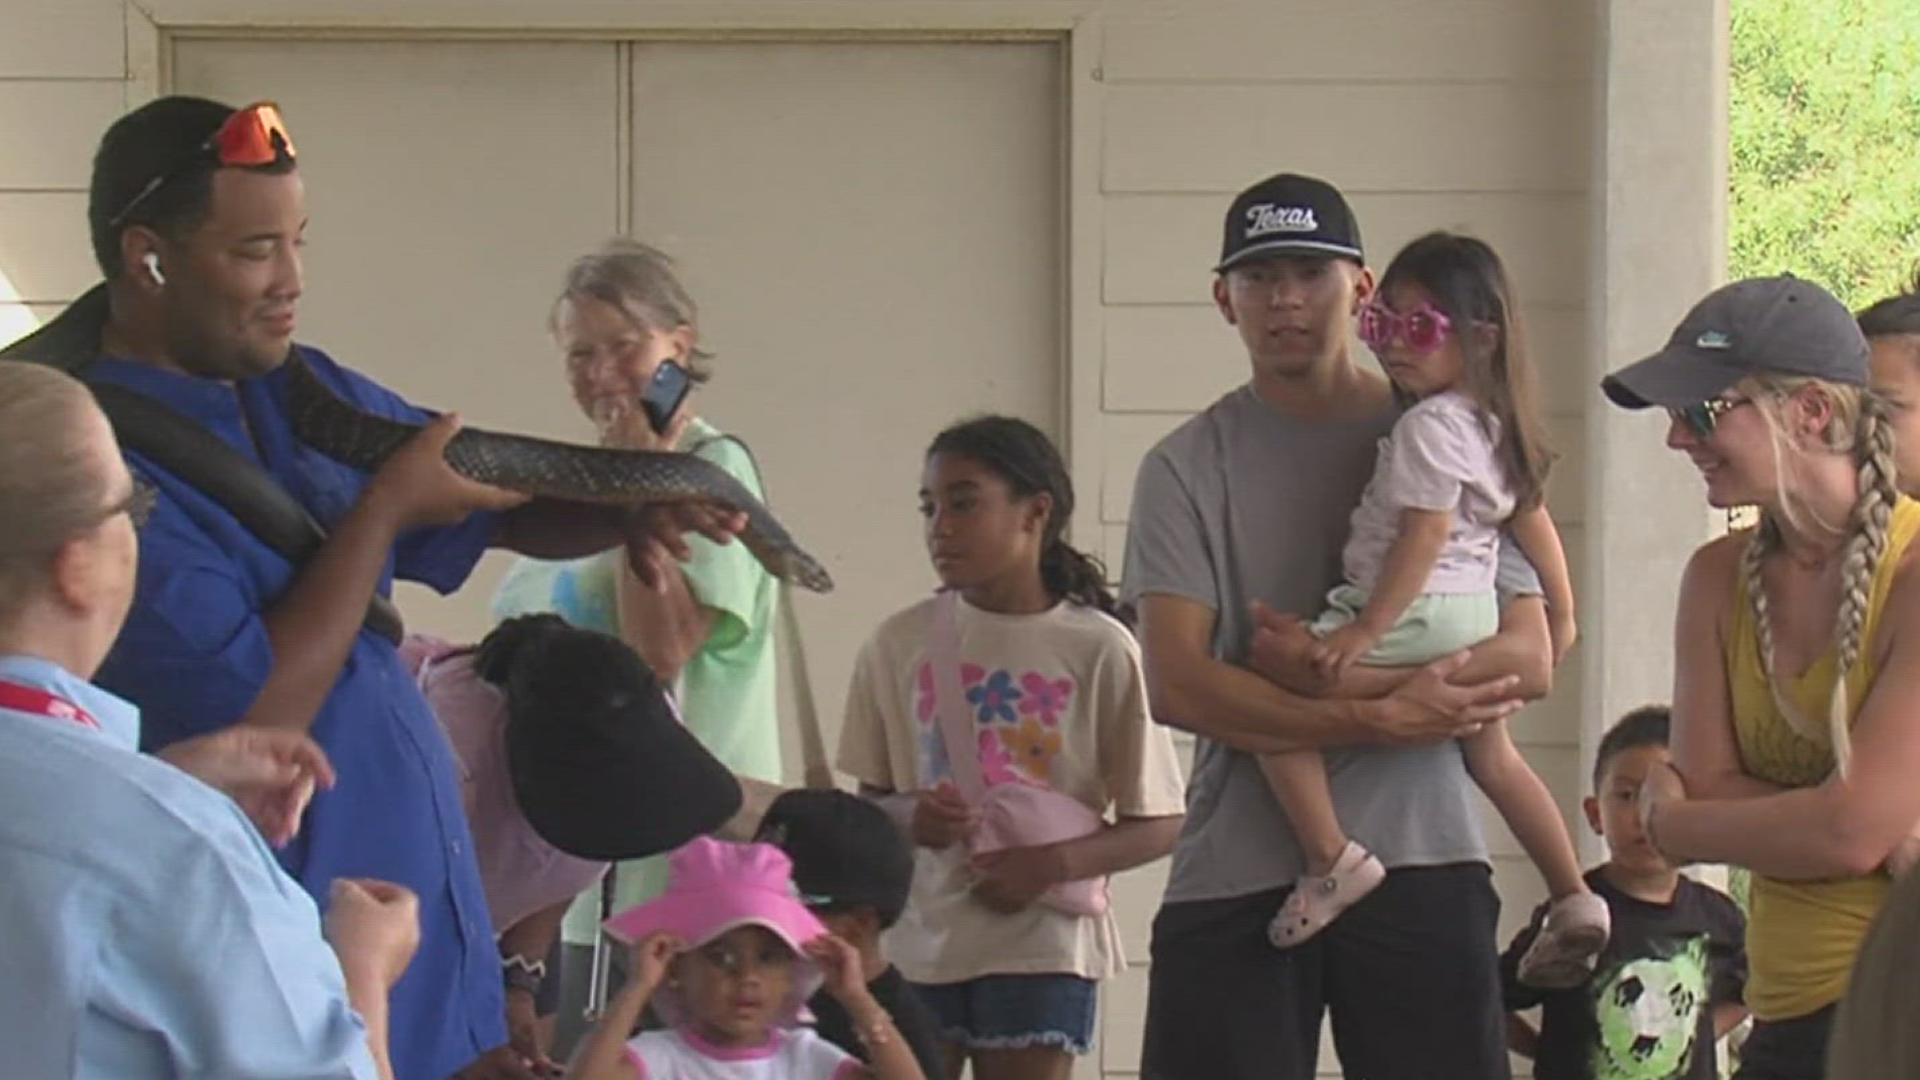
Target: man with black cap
(1245, 504)
(572, 756)
(854, 870)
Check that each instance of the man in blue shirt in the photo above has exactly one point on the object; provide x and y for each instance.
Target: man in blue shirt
(197, 214)
(150, 934)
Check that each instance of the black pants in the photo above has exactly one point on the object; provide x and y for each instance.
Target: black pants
(1409, 974)
(1794, 1049)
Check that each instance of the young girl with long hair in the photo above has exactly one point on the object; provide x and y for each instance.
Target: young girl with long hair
(1003, 942)
(1466, 460)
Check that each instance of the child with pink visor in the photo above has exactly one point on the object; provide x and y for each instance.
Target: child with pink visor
(727, 957)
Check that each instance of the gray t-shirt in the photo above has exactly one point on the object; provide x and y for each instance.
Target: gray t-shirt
(1243, 503)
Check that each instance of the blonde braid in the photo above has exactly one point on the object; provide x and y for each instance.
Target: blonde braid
(1765, 540)
(1872, 513)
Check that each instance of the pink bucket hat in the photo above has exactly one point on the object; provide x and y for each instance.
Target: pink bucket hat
(713, 887)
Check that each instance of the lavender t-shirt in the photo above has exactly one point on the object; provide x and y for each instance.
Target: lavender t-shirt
(1440, 455)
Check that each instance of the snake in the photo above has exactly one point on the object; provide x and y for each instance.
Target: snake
(546, 468)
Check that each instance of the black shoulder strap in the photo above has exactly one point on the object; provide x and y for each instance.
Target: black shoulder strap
(187, 450)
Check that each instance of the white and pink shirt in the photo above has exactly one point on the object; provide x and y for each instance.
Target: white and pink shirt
(789, 1054)
(1441, 455)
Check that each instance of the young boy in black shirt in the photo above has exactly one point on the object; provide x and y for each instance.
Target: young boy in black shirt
(1670, 980)
(853, 869)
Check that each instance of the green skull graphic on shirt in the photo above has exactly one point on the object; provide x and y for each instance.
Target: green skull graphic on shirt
(1649, 1011)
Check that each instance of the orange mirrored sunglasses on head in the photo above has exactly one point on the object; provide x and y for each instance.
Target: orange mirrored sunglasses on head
(251, 137)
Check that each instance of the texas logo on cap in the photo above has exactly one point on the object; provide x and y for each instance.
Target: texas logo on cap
(1289, 216)
(1267, 218)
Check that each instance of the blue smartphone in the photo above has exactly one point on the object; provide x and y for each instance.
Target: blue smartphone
(664, 393)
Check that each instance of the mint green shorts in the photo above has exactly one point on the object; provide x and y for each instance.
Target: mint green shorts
(1435, 624)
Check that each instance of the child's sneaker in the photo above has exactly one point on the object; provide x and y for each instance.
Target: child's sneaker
(1316, 901)
(1571, 936)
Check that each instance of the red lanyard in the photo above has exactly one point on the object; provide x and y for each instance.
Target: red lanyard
(40, 703)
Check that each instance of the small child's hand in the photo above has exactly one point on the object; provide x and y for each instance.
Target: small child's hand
(1343, 648)
(840, 967)
(652, 956)
(1282, 650)
(941, 817)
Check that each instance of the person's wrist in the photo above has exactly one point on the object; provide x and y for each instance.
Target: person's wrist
(367, 971)
(1371, 625)
(523, 974)
(1374, 720)
(1060, 865)
(381, 507)
(858, 1001)
(873, 1026)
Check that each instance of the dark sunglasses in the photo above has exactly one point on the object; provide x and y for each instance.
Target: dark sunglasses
(1702, 417)
(251, 137)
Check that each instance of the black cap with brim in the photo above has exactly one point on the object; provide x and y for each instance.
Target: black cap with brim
(1672, 378)
(846, 851)
(1758, 326)
(1289, 216)
(601, 765)
(1291, 249)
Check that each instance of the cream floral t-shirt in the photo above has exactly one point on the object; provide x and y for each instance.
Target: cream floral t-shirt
(1057, 699)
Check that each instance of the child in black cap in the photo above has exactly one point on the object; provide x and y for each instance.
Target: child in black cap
(853, 870)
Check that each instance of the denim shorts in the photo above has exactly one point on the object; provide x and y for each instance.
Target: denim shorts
(1013, 1012)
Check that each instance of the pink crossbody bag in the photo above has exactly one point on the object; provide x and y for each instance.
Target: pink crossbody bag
(1009, 815)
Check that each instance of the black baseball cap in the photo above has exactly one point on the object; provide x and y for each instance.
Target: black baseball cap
(1289, 214)
(1760, 326)
(846, 851)
(599, 761)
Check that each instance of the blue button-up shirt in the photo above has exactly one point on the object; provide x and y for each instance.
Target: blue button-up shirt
(148, 931)
(195, 654)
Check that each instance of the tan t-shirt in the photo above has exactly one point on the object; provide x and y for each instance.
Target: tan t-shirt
(1058, 698)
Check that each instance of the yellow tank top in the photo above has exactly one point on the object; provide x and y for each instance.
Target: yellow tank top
(1802, 936)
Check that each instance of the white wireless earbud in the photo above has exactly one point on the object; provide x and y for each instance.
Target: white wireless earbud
(153, 268)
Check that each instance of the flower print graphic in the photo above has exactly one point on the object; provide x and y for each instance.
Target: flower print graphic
(926, 701)
(996, 765)
(1032, 747)
(994, 698)
(1044, 697)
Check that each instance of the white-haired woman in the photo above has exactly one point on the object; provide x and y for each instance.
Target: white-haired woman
(1795, 739)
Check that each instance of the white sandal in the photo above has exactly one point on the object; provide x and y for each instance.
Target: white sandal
(1570, 939)
(1316, 901)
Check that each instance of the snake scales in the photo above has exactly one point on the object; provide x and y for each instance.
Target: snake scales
(550, 469)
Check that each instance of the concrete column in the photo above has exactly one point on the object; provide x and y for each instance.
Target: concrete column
(1660, 203)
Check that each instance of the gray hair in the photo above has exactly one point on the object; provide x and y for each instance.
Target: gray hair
(51, 488)
(639, 280)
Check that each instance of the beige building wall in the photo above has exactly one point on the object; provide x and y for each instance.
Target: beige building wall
(1583, 138)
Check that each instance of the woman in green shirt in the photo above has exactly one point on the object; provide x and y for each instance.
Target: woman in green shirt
(707, 631)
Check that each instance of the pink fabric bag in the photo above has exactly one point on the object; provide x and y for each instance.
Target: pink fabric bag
(1010, 814)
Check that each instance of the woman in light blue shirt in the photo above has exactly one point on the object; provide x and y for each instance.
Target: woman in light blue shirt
(150, 932)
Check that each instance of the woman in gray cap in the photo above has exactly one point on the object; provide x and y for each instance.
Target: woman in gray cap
(1798, 644)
